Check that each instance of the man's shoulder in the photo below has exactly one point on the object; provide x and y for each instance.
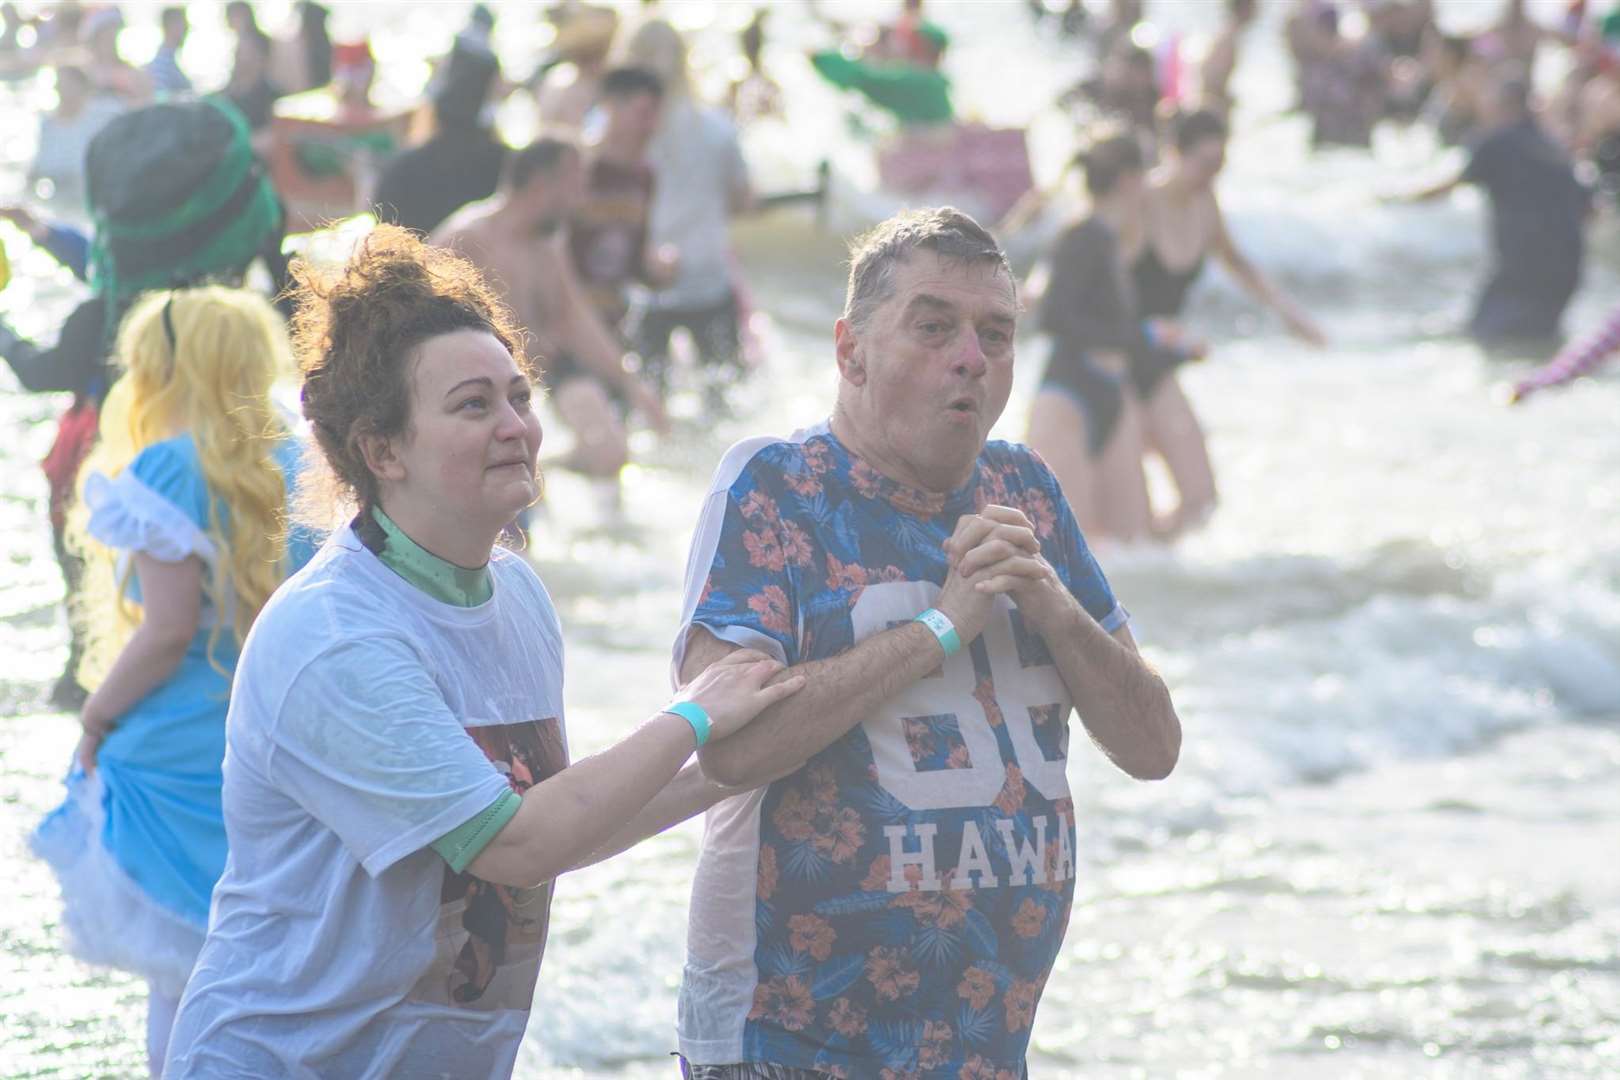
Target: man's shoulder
(470, 224)
(769, 458)
(1013, 468)
(1003, 454)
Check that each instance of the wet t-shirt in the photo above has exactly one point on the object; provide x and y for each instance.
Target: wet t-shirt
(368, 720)
(608, 235)
(896, 903)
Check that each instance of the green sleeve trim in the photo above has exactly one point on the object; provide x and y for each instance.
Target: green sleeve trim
(461, 845)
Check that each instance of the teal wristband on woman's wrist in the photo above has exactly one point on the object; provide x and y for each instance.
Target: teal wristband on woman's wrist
(943, 629)
(693, 714)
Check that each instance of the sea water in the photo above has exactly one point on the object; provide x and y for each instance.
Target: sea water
(1392, 845)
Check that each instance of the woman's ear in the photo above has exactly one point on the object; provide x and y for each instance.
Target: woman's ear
(381, 457)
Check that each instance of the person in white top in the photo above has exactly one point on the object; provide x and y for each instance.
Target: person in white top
(397, 790)
(703, 182)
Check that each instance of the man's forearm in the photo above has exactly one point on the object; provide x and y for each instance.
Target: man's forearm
(1123, 703)
(839, 693)
(686, 796)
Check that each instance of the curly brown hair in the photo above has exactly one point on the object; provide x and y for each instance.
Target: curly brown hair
(355, 333)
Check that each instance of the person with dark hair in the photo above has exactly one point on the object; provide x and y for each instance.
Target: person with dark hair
(1084, 421)
(460, 164)
(1461, 82)
(936, 593)
(519, 240)
(1343, 82)
(1538, 213)
(398, 795)
(301, 54)
(609, 230)
(1125, 88)
(1215, 72)
(243, 20)
(1182, 226)
(314, 43)
(250, 87)
(753, 93)
(164, 67)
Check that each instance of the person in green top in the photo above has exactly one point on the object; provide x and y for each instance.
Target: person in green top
(917, 94)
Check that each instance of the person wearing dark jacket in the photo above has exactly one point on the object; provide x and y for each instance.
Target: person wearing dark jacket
(460, 164)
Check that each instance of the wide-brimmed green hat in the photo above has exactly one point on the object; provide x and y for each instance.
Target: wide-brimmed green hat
(177, 198)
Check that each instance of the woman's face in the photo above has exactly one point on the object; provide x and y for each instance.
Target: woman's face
(469, 454)
(1132, 187)
(1203, 160)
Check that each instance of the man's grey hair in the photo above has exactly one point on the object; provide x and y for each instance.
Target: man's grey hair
(875, 255)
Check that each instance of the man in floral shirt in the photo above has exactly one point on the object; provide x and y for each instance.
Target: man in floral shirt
(891, 901)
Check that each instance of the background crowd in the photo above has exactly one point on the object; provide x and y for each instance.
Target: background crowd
(610, 236)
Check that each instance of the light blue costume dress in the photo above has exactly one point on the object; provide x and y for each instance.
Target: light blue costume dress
(138, 844)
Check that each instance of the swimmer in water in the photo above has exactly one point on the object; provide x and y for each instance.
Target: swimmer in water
(1182, 227)
(1084, 421)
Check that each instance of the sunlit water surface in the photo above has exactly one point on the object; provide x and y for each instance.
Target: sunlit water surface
(1390, 848)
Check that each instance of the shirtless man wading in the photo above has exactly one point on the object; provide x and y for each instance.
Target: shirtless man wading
(519, 239)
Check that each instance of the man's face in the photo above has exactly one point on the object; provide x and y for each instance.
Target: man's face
(636, 115)
(933, 367)
(72, 89)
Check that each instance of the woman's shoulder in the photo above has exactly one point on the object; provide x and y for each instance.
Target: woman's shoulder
(334, 598)
(171, 461)
(158, 504)
(512, 571)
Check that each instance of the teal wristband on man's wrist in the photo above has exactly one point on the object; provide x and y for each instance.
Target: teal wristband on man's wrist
(693, 714)
(943, 629)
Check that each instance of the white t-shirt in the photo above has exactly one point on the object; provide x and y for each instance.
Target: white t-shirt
(700, 167)
(367, 721)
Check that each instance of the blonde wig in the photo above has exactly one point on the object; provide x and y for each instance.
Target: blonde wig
(199, 361)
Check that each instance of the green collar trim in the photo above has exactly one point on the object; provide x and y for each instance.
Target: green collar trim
(444, 581)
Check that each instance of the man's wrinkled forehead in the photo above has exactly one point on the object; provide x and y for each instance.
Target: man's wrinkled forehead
(977, 287)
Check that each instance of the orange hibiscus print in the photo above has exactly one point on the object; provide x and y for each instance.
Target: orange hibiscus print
(766, 886)
(771, 605)
(890, 974)
(784, 1000)
(812, 934)
(1029, 919)
(978, 986)
(1011, 798)
(1020, 1004)
(765, 550)
(847, 1018)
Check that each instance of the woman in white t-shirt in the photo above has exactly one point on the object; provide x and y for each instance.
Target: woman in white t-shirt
(397, 788)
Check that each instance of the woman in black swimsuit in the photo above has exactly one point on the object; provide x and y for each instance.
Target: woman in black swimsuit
(1182, 227)
(1084, 418)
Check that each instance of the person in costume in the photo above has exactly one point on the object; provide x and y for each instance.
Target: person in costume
(176, 199)
(181, 526)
